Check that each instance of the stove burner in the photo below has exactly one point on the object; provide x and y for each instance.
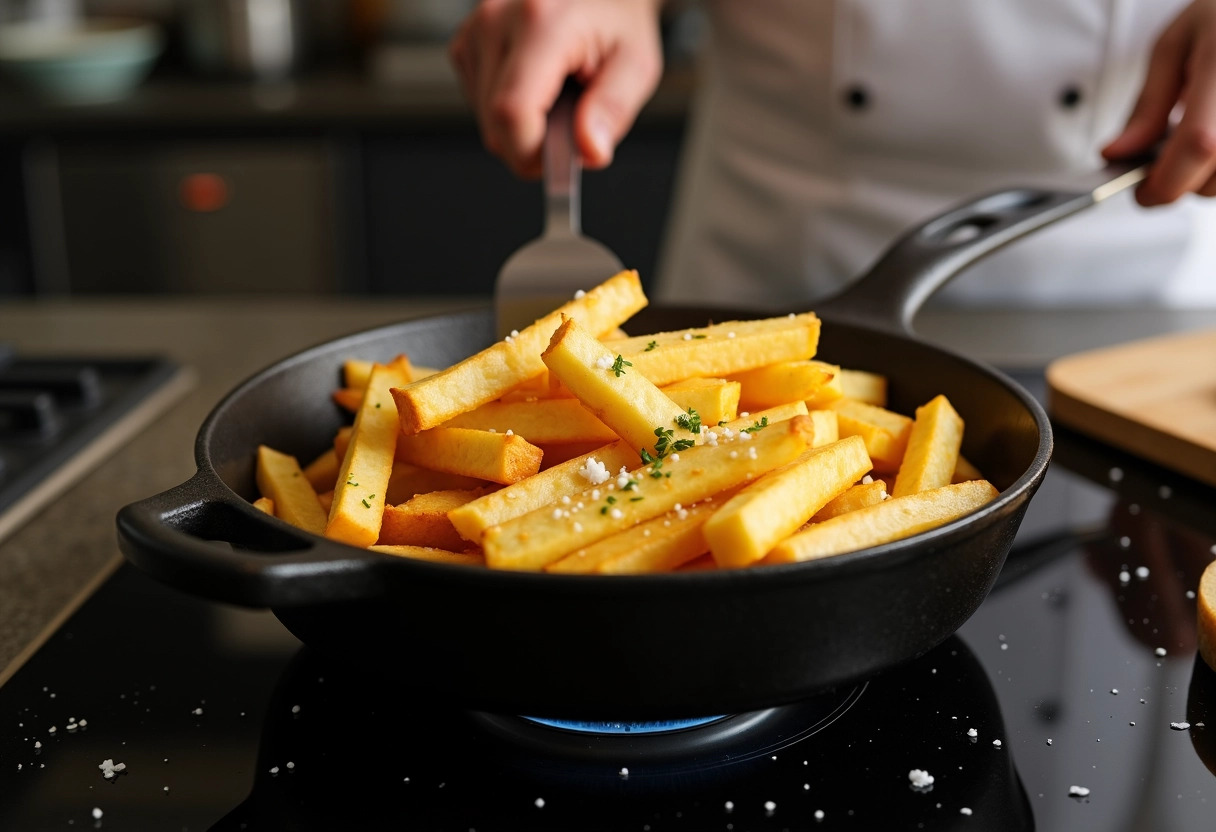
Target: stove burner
(651, 727)
(675, 744)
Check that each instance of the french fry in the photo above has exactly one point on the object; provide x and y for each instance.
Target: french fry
(322, 472)
(964, 471)
(347, 398)
(858, 496)
(885, 433)
(423, 520)
(564, 480)
(431, 554)
(358, 505)
(356, 372)
(715, 399)
(541, 422)
(829, 392)
(721, 349)
(893, 519)
(752, 522)
(497, 369)
(409, 480)
(341, 443)
(497, 457)
(540, 537)
(629, 403)
(783, 381)
(827, 427)
(658, 545)
(326, 499)
(932, 452)
(870, 388)
(264, 505)
(280, 479)
(768, 416)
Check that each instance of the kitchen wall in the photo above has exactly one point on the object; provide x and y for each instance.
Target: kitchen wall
(357, 169)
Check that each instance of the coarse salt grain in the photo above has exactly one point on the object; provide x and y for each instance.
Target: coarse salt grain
(734, 454)
(624, 772)
(1049, 741)
(37, 744)
(603, 362)
(1114, 691)
(197, 712)
(920, 779)
(971, 732)
(97, 813)
(1160, 651)
(1125, 576)
(751, 453)
(1115, 474)
(274, 769)
(1142, 572)
(616, 514)
(744, 436)
(580, 294)
(540, 802)
(1180, 726)
(593, 471)
(769, 806)
(729, 805)
(295, 709)
(996, 743)
(1078, 791)
(578, 527)
(819, 814)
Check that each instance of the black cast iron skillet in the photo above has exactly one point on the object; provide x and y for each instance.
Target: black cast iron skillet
(631, 646)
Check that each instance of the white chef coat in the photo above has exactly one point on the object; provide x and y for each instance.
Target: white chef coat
(825, 128)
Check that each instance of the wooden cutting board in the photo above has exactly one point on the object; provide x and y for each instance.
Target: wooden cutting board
(1155, 398)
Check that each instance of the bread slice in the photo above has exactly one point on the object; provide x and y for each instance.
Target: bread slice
(1207, 615)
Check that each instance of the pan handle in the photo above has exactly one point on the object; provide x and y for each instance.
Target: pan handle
(927, 257)
(258, 561)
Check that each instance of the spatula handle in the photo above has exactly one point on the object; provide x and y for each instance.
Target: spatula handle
(563, 168)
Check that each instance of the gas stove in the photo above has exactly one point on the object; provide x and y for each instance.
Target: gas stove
(1073, 699)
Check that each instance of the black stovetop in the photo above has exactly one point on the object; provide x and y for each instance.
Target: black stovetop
(1079, 663)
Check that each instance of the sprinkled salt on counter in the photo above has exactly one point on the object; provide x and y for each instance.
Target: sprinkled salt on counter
(1078, 791)
(593, 471)
(540, 802)
(624, 773)
(1165, 492)
(37, 744)
(274, 769)
(920, 779)
(1115, 474)
(1125, 577)
(97, 813)
(818, 814)
(1142, 572)
(769, 806)
(1160, 651)
(295, 709)
(1114, 691)
(1049, 740)
(971, 732)
(1190, 593)
(1125, 542)
(109, 768)
(964, 811)
(1180, 726)
(729, 805)
(996, 743)
(197, 712)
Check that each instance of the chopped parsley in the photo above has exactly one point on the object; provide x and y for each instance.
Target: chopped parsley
(635, 499)
(651, 346)
(611, 499)
(690, 421)
(758, 426)
(377, 405)
(366, 504)
(630, 485)
(619, 365)
(698, 337)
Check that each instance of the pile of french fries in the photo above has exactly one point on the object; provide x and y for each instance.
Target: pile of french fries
(571, 447)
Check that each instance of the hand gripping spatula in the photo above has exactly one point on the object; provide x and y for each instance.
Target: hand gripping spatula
(547, 272)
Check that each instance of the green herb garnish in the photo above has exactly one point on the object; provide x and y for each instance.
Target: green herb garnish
(651, 346)
(758, 426)
(690, 421)
(619, 365)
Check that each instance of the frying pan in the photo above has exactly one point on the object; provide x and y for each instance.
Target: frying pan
(624, 647)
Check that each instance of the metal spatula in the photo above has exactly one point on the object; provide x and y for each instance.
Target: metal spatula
(547, 272)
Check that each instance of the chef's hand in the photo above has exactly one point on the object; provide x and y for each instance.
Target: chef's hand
(1182, 70)
(513, 57)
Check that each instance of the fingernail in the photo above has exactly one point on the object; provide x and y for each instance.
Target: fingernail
(600, 135)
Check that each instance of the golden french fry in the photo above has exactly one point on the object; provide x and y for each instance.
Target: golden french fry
(564, 480)
(423, 521)
(497, 457)
(557, 454)
(885, 433)
(541, 422)
(322, 472)
(715, 399)
(497, 369)
(783, 381)
(752, 522)
(964, 471)
(540, 537)
(326, 499)
(932, 451)
(630, 404)
(721, 349)
(356, 372)
(348, 398)
(279, 477)
(659, 545)
(358, 505)
(409, 480)
(870, 388)
(858, 496)
(264, 505)
(827, 428)
(431, 554)
(1206, 605)
(893, 519)
(342, 442)
(829, 391)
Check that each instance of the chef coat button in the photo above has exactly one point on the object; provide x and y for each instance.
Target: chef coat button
(1070, 97)
(857, 97)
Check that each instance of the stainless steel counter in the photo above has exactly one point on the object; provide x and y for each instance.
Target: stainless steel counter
(51, 561)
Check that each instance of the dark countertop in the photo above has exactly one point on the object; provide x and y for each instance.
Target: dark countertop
(62, 551)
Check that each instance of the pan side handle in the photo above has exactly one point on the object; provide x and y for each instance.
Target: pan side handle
(929, 256)
(255, 561)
